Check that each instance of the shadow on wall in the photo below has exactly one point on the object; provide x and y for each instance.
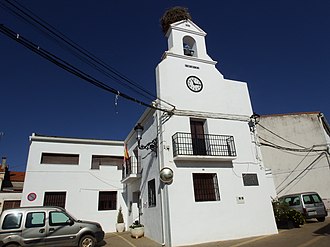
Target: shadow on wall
(209, 164)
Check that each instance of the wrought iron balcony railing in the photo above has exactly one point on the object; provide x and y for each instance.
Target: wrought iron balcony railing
(186, 144)
(131, 168)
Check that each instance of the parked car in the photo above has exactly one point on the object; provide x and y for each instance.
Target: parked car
(46, 226)
(309, 204)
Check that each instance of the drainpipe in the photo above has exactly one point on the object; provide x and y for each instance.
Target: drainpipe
(165, 210)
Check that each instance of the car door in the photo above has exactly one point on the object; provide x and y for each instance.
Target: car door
(34, 229)
(62, 230)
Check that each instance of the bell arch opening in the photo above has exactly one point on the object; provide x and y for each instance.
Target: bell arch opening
(189, 46)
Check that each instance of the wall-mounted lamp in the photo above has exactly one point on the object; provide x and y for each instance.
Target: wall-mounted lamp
(254, 120)
(151, 145)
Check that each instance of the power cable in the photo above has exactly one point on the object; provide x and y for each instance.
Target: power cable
(114, 74)
(280, 136)
(70, 68)
(293, 170)
(273, 145)
(309, 166)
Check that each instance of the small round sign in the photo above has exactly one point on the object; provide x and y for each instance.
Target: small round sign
(31, 196)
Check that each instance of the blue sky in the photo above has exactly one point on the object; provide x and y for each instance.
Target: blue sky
(280, 48)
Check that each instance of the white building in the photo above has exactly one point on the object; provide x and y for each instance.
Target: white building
(296, 147)
(81, 175)
(220, 189)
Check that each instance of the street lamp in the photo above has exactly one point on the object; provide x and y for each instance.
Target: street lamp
(150, 145)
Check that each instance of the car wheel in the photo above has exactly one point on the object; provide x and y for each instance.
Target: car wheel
(320, 219)
(87, 241)
(13, 245)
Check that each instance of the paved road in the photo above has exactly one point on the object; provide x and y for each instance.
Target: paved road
(311, 234)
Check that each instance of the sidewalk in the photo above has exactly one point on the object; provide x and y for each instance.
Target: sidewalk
(124, 239)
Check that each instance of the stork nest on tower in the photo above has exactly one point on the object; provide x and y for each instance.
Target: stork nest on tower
(173, 15)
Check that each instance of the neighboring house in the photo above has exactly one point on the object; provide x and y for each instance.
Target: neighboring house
(80, 175)
(220, 188)
(11, 184)
(296, 147)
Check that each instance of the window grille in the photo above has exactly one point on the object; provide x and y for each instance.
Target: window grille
(107, 200)
(11, 204)
(206, 187)
(57, 158)
(55, 199)
(152, 193)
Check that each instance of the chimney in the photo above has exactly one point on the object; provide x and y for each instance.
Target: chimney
(4, 162)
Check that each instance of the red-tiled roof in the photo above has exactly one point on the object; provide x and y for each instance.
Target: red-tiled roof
(17, 176)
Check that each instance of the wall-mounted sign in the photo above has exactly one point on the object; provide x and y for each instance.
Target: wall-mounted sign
(31, 196)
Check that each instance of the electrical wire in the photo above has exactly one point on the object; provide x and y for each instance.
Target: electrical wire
(70, 68)
(280, 136)
(293, 170)
(77, 50)
(307, 168)
(273, 145)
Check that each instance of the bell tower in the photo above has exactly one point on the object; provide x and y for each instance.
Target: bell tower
(186, 40)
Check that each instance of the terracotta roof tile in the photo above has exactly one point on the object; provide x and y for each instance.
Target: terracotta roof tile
(17, 176)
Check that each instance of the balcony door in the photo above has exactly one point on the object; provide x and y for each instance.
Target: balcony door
(198, 137)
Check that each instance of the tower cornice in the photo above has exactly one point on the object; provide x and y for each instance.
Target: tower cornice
(196, 59)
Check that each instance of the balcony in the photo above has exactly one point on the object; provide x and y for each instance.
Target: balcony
(203, 147)
(131, 170)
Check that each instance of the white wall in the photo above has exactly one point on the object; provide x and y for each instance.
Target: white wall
(224, 219)
(81, 183)
(304, 130)
(225, 107)
(151, 216)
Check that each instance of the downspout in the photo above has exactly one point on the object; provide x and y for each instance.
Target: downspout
(166, 225)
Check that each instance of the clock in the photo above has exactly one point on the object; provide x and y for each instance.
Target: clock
(194, 84)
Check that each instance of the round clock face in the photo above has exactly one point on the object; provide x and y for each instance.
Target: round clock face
(194, 84)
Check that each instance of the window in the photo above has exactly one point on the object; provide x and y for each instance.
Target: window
(11, 204)
(63, 159)
(107, 200)
(12, 221)
(292, 200)
(58, 218)
(250, 179)
(311, 199)
(206, 187)
(98, 160)
(35, 219)
(152, 193)
(55, 199)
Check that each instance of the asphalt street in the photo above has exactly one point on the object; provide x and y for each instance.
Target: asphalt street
(311, 234)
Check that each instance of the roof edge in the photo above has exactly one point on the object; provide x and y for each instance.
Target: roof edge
(45, 138)
(292, 113)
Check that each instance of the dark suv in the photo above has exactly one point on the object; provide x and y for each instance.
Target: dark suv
(46, 226)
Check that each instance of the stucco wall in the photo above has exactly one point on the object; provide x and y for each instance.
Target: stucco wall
(296, 171)
(81, 183)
